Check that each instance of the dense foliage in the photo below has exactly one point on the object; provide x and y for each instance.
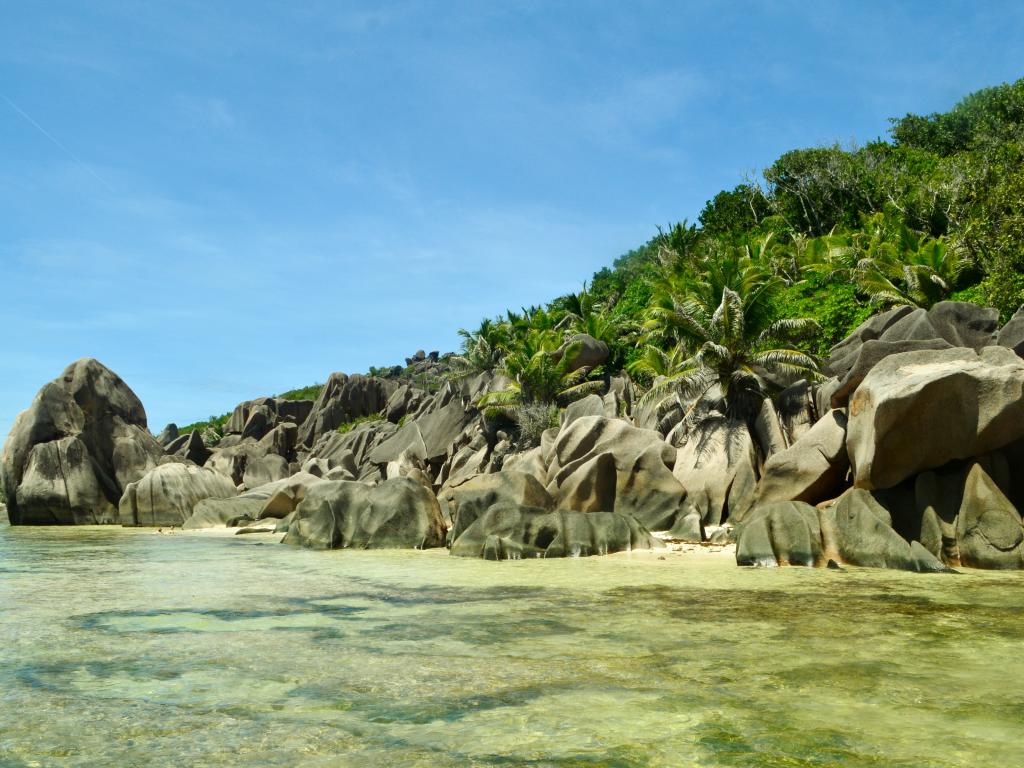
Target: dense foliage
(780, 269)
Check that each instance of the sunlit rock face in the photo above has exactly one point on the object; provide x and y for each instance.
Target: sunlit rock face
(70, 456)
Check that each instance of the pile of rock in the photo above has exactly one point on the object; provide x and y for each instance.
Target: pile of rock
(910, 456)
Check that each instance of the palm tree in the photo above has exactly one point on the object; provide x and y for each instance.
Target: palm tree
(539, 375)
(923, 274)
(730, 268)
(655, 362)
(482, 349)
(732, 353)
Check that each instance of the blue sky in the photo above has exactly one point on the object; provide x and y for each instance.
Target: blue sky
(225, 200)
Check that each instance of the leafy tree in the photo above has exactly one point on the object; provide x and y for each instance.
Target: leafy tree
(733, 355)
(738, 210)
(541, 372)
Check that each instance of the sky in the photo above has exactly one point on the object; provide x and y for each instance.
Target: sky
(223, 200)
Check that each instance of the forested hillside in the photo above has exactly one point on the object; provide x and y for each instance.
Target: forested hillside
(778, 269)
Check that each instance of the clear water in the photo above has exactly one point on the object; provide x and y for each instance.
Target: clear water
(125, 648)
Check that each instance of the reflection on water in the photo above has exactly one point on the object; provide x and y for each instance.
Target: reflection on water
(120, 647)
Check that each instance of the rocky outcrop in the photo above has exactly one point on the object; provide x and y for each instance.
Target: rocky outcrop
(813, 469)
(946, 325)
(782, 533)
(587, 352)
(168, 435)
(989, 531)
(277, 499)
(511, 532)
(397, 514)
(70, 456)
(860, 529)
(427, 437)
(344, 399)
(254, 418)
(1011, 335)
(921, 410)
(168, 494)
(717, 465)
(471, 499)
(602, 464)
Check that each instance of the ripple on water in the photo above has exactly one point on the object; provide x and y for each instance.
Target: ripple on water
(121, 648)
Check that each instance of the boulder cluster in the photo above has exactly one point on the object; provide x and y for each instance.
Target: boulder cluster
(909, 454)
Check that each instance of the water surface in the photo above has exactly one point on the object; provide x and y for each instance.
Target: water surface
(126, 648)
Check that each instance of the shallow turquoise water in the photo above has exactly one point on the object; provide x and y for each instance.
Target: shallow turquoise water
(125, 648)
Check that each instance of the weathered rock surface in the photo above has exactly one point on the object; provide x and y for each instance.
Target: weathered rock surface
(813, 469)
(588, 351)
(427, 437)
(921, 410)
(510, 532)
(782, 533)
(602, 464)
(168, 494)
(471, 499)
(168, 435)
(716, 464)
(989, 530)
(863, 534)
(1011, 335)
(193, 449)
(342, 400)
(254, 418)
(948, 324)
(397, 514)
(264, 501)
(71, 454)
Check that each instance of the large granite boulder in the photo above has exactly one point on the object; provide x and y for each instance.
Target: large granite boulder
(70, 456)
(989, 530)
(921, 410)
(783, 533)
(965, 325)
(254, 418)
(717, 465)
(352, 450)
(813, 469)
(1011, 335)
(511, 532)
(860, 528)
(168, 435)
(168, 494)
(948, 324)
(587, 352)
(397, 514)
(275, 499)
(342, 400)
(608, 465)
(427, 437)
(844, 353)
(470, 499)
